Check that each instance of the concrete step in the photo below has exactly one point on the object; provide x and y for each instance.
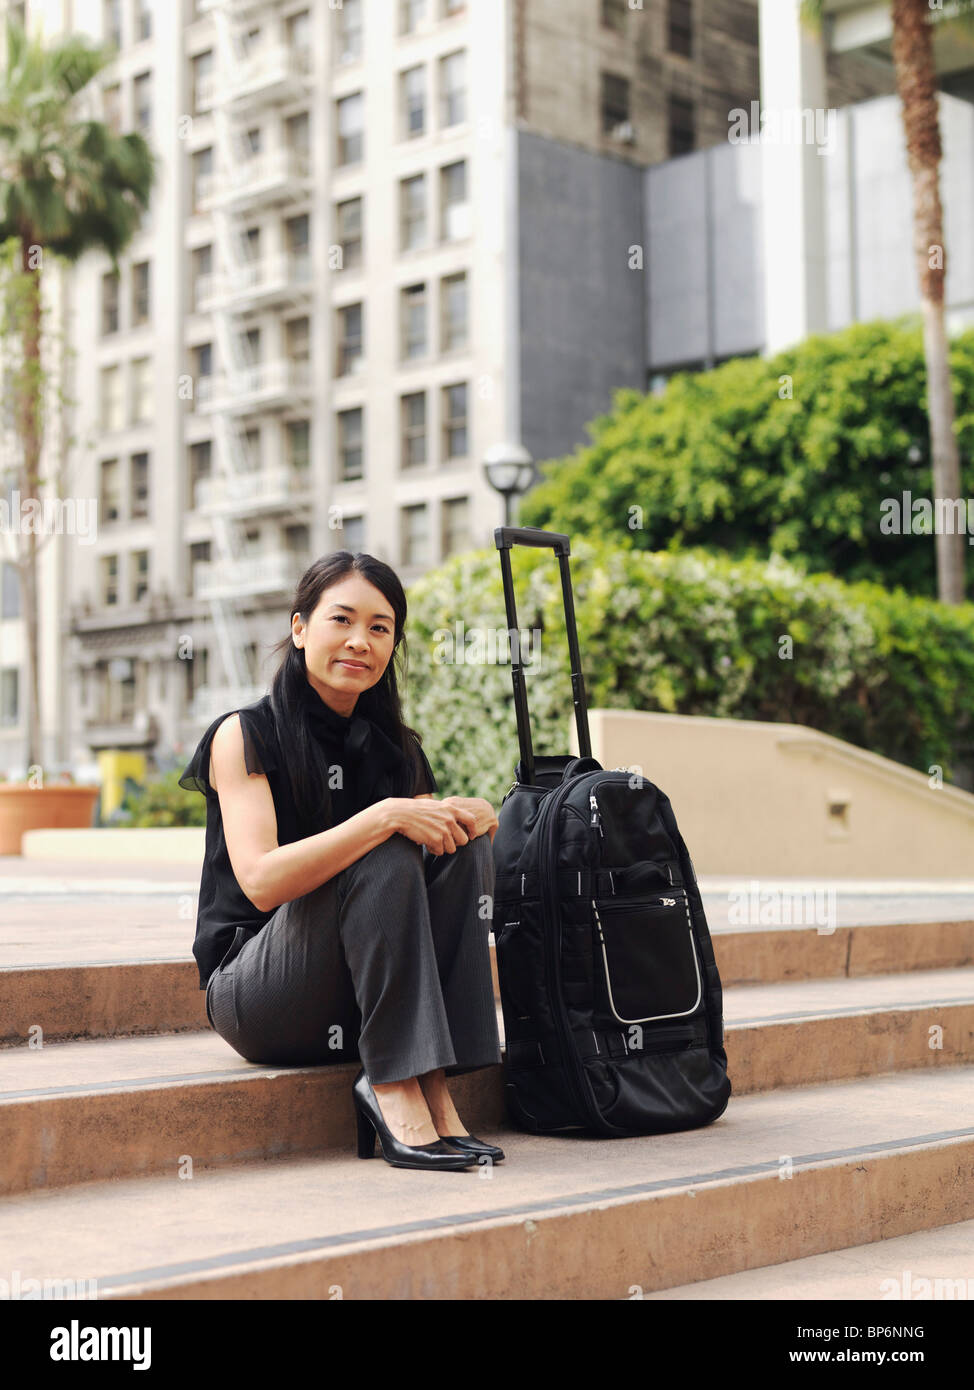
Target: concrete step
(560, 1218)
(190, 1092)
(93, 966)
(930, 1264)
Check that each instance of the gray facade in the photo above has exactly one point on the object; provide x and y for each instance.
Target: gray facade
(589, 324)
(580, 305)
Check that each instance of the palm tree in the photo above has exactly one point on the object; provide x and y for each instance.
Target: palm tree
(67, 186)
(916, 83)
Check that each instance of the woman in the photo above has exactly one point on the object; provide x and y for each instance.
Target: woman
(318, 944)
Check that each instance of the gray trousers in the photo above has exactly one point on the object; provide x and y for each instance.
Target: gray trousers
(388, 963)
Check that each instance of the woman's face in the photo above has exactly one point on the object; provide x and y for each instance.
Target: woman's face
(334, 635)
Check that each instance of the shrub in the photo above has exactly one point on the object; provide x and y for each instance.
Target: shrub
(161, 802)
(687, 633)
(742, 462)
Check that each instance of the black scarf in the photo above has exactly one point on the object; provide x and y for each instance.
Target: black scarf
(372, 765)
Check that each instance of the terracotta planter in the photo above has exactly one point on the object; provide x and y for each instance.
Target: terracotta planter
(42, 808)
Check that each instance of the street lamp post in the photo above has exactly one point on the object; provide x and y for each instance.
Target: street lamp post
(509, 469)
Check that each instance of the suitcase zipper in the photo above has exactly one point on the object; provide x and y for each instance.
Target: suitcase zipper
(576, 1085)
(651, 1018)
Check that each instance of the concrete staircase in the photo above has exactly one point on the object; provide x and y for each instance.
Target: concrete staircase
(142, 1153)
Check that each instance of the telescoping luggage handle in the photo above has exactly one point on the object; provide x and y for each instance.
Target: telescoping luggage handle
(504, 538)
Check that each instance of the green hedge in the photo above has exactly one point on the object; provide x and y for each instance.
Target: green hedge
(689, 633)
(162, 802)
(685, 633)
(745, 463)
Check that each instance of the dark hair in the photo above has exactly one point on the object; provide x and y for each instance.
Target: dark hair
(303, 756)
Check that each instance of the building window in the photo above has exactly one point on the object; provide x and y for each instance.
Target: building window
(349, 125)
(140, 575)
(454, 403)
(350, 357)
(453, 89)
(250, 450)
(681, 27)
(249, 347)
(112, 107)
(348, 226)
(203, 81)
(412, 102)
(412, 212)
(411, 15)
(454, 328)
(414, 534)
(199, 561)
(299, 30)
(202, 176)
(200, 466)
(109, 579)
(140, 293)
(109, 302)
(297, 339)
(112, 399)
(297, 238)
(350, 453)
(9, 696)
(613, 15)
(115, 683)
(615, 102)
(142, 87)
(681, 126)
(455, 526)
(297, 543)
(110, 502)
(454, 208)
(353, 533)
(202, 359)
(112, 21)
(297, 133)
(9, 591)
(139, 487)
(142, 391)
(348, 40)
(197, 666)
(412, 319)
(143, 20)
(455, 421)
(413, 426)
(297, 444)
(201, 275)
(249, 242)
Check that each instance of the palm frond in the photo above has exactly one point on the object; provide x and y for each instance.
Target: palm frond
(811, 13)
(75, 184)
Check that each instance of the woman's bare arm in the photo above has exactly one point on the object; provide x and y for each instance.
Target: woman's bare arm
(268, 873)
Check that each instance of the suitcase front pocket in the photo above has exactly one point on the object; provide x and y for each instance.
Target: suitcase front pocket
(649, 957)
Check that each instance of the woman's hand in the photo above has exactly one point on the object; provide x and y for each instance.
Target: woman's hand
(442, 826)
(476, 813)
(429, 822)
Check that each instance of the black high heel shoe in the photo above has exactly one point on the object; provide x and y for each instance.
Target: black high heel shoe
(434, 1156)
(469, 1143)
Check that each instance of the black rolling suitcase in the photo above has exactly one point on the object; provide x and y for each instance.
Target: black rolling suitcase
(611, 997)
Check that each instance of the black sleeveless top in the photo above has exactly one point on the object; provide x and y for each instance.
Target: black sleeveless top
(226, 918)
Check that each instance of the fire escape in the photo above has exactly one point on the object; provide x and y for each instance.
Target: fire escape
(258, 178)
